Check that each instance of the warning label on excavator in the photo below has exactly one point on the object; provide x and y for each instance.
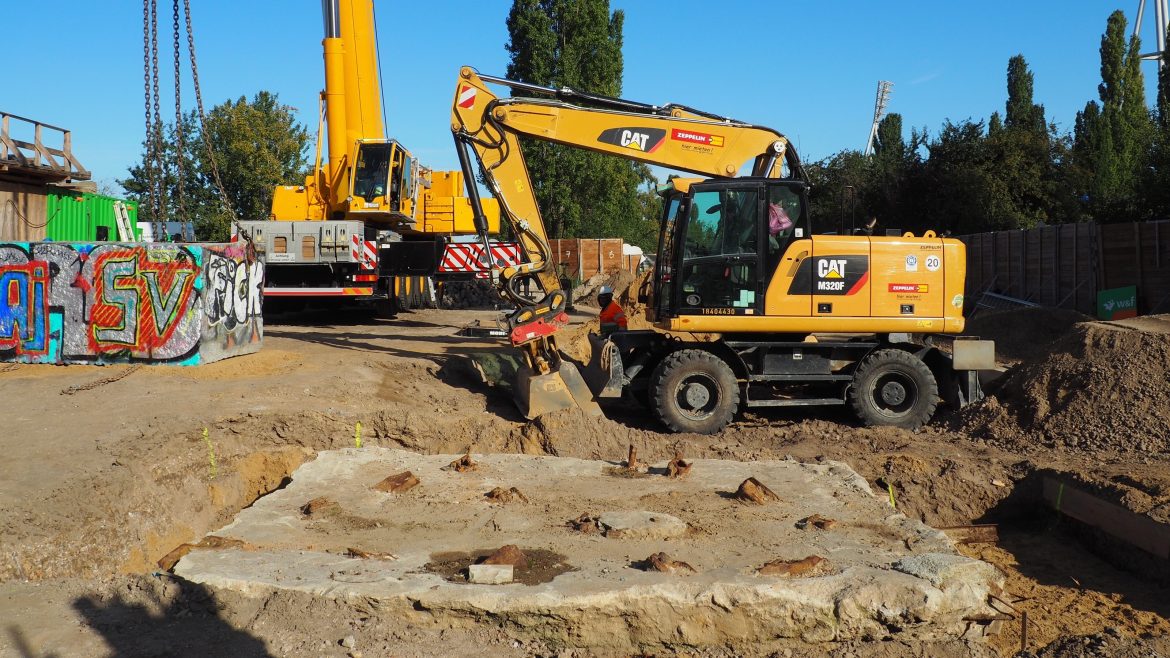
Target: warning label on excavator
(466, 96)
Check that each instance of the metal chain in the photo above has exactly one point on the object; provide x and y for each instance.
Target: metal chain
(160, 220)
(148, 143)
(180, 145)
(101, 382)
(223, 197)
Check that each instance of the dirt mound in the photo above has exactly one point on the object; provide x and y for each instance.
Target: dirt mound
(1103, 387)
(1109, 643)
(620, 281)
(1018, 334)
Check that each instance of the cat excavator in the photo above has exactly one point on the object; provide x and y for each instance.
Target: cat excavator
(753, 303)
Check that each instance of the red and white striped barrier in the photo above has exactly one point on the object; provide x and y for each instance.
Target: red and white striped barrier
(464, 257)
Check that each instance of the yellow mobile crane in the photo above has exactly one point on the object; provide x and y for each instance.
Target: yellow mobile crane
(371, 222)
(752, 306)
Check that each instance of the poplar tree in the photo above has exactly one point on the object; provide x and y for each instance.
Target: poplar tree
(1113, 145)
(578, 44)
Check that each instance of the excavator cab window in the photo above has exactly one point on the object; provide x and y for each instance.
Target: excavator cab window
(719, 268)
(371, 176)
(676, 208)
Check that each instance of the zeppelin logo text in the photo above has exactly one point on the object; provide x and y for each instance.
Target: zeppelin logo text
(696, 138)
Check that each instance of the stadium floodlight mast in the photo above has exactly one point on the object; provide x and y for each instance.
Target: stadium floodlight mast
(879, 109)
(1161, 16)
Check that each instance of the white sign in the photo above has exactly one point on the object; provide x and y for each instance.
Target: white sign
(280, 258)
(933, 263)
(912, 263)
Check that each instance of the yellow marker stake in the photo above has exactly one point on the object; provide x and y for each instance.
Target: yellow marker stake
(890, 487)
(357, 434)
(210, 453)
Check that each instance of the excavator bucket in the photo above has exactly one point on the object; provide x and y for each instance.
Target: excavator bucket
(562, 388)
(605, 373)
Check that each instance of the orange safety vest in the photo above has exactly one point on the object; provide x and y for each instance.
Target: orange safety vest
(613, 314)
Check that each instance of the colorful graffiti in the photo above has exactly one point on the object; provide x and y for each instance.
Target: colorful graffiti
(106, 303)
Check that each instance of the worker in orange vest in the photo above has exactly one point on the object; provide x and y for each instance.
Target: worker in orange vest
(612, 317)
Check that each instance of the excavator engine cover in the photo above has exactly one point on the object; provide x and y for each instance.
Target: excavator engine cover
(561, 388)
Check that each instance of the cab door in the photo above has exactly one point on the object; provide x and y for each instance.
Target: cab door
(719, 271)
(788, 259)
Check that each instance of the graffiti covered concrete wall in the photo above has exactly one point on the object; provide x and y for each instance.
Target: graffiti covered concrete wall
(96, 303)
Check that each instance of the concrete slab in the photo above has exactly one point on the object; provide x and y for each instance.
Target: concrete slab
(885, 575)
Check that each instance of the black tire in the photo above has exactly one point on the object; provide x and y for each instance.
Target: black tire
(894, 388)
(694, 391)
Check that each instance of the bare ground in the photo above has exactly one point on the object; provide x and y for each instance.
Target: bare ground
(100, 483)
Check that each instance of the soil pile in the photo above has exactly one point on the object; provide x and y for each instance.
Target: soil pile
(1109, 643)
(1019, 334)
(1101, 388)
(619, 280)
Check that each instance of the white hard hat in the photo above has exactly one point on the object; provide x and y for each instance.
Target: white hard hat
(605, 290)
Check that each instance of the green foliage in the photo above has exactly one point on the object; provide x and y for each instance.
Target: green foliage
(578, 44)
(257, 145)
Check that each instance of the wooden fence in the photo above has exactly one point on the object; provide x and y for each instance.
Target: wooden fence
(1065, 265)
(581, 258)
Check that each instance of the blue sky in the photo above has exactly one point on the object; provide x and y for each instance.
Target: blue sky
(807, 69)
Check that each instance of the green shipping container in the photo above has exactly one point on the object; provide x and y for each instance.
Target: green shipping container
(80, 217)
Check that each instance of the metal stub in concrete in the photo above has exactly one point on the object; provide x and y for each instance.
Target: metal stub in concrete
(510, 555)
(641, 525)
(813, 565)
(752, 490)
(398, 483)
(490, 574)
(502, 495)
(892, 577)
(664, 563)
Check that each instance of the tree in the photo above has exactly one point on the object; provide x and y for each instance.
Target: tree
(1021, 153)
(1119, 137)
(577, 43)
(257, 145)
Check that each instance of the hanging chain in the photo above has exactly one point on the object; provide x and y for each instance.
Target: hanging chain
(160, 219)
(180, 143)
(223, 197)
(151, 175)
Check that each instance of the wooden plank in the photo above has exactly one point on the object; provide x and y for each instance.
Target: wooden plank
(1135, 529)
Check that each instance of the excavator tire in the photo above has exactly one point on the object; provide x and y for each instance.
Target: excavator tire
(895, 388)
(694, 391)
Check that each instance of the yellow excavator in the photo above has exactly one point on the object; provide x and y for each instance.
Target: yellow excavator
(370, 223)
(754, 303)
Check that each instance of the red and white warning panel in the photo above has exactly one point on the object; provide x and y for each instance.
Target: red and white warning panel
(464, 257)
(365, 252)
(466, 96)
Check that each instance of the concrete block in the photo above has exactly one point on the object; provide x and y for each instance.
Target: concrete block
(490, 574)
(101, 303)
(641, 525)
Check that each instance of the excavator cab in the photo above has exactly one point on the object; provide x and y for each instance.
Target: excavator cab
(721, 241)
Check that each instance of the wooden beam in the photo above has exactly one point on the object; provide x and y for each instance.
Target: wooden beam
(1131, 528)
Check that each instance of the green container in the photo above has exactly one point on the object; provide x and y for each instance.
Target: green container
(76, 217)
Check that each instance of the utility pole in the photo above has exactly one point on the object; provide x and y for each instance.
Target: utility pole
(1161, 16)
(884, 88)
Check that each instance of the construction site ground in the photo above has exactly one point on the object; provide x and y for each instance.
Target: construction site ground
(108, 470)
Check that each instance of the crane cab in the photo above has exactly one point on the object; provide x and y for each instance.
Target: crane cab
(382, 186)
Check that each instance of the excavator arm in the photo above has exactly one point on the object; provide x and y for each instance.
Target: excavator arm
(673, 136)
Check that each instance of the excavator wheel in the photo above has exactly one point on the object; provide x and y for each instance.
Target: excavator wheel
(893, 387)
(694, 391)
